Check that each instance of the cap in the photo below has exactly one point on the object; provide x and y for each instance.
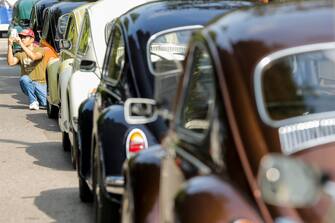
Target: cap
(27, 32)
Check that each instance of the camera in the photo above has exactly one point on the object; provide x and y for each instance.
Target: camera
(14, 34)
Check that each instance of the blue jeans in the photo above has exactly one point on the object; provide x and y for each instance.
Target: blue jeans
(34, 90)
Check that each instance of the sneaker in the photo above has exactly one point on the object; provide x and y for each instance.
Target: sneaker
(34, 106)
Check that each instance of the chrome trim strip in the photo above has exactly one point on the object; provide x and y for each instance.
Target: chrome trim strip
(154, 36)
(114, 184)
(258, 87)
(298, 137)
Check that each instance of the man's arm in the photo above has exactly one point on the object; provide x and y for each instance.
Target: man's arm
(31, 54)
(11, 60)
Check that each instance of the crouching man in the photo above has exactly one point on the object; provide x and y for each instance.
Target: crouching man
(32, 80)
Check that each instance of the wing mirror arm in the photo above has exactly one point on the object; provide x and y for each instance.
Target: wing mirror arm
(164, 113)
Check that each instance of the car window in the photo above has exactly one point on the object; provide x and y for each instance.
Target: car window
(45, 29)
(85, 36)
(71, 32)
(116, 57)
(33, 17)
(199, 96)
(299, 85)
(167, 51)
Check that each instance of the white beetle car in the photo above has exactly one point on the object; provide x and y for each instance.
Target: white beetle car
(68, 52)
(90, 48)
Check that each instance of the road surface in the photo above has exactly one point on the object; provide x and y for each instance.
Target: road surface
(37, 182)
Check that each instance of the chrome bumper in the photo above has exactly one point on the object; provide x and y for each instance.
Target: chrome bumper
(114, 184)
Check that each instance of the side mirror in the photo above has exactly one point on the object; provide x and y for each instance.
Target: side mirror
(65, 44)
(87, 66)
(62, 23)
(289, 182)
(140, 110)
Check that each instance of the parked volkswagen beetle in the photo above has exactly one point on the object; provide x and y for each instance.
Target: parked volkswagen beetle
(37, 16)
(256, 81)
(68, 47)
(21, 14)
(53, 30)
(143, 57)
(81, 80)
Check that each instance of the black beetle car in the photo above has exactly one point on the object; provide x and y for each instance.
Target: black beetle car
(143, 57)
(37, 15)
(51, 32)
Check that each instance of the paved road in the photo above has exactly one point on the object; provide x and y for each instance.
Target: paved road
(37, 181)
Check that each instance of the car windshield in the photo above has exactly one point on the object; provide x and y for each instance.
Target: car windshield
(299, 85)
(166, 53)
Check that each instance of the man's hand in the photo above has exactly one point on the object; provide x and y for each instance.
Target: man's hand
(29, 51)
(10, 58)
(11, 41)
(19, 41)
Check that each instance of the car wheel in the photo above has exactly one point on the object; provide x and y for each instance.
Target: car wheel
(74, 150)
(66, 141)
(84, 191)
(52, 111)
(105, 211)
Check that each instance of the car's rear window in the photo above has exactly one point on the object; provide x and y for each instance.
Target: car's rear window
(167, 50)
(299, 85)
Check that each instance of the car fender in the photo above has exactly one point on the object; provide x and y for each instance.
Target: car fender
(142, 173)
(211, 199)
(112, 132)
(65, 72)
(85, 127)
(81, 85)
(52, 78)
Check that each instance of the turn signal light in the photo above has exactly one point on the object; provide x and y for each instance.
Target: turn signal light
(136, 141)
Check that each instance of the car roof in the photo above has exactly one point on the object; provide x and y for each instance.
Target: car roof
(250, 35)
(148, 19)
(79, 13)
(100, 14)
(173, 13)
(23, 8)
(62, 8)
(39, 8)
(65, 7)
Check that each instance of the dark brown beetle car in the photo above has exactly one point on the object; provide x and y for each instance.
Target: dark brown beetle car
(256, 81)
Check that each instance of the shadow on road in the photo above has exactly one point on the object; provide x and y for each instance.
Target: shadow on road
(10, 85)
(53, 203)
(19, 107)
(47, 154)
(41, 121)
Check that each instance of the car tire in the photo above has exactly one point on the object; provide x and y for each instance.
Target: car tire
(66, 142)
(105, 211)
(84, 191)
(74, 150)
(52, 111)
